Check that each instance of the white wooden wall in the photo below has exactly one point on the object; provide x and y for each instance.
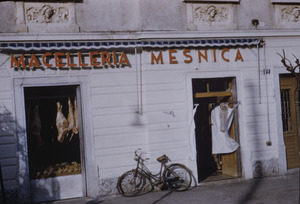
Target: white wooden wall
(163, 92)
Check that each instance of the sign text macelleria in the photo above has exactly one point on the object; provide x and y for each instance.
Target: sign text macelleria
(114, 58)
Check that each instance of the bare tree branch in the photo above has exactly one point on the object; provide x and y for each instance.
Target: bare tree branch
(290, 67)
(297, 61)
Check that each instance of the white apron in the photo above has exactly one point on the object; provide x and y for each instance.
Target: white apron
(222, 143)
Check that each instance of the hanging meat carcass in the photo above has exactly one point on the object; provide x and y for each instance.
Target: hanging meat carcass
(62, 124)
(76, 115)
(35, 127)
(71, 119)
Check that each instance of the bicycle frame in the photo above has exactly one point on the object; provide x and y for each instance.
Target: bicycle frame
(157, 178)
(137, 181)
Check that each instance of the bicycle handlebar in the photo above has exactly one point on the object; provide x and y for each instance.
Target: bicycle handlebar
(138, 156)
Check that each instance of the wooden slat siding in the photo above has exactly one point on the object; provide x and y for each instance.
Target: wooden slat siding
(163, 91)
(7, 140)
(137, 139)
(8, 154)
(5, 84)
(126, 160)
(260, 118)
(255, 113)
(8, 160)
(133, 130)
(8, 147)
(266, 154)
(113, 78)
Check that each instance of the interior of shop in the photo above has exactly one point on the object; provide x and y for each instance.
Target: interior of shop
(52, 136)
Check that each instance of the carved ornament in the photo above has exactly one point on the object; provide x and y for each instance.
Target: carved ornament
(291, 14)
(211, 13)
(47, 14)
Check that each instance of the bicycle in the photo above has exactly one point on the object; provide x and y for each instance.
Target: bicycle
(140, 180)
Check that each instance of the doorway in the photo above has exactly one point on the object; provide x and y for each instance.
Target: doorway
(54, 142)
(289, 124)
(208, 95)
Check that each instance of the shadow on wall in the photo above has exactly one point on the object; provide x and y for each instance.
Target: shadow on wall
(257, 166)
(14, 163)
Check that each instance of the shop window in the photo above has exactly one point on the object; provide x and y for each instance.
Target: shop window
(52, 131)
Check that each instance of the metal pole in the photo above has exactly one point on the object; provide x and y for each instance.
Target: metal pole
(269, 143)
(259, 85)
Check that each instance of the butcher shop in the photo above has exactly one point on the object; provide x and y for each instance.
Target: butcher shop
(212, 84)
(82, 108)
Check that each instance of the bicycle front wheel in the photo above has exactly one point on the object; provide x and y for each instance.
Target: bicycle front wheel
(131, 183)
(178, 177)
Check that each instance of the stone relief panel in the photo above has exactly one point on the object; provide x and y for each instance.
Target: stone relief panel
(47, 14)
(290, 14)
(211, 14)
(46, 17)
(287, 16)
(214, 16)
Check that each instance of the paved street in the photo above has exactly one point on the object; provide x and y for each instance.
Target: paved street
(273, 190)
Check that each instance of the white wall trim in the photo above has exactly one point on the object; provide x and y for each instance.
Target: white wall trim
(13, 37)
(281, 146)
(246, 164)
(92, 186)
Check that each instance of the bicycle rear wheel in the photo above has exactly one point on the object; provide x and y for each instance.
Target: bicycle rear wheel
(178, 177)
(131, 183)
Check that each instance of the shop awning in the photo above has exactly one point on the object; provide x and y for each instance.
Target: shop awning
(87, 45)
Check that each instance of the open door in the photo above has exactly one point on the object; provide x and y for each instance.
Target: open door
(208, 94)
(289, 123)
(54, 142)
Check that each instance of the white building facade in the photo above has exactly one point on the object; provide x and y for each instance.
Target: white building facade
(86, 83)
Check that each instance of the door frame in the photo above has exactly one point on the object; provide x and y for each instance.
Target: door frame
(90, 183)
(293, 113)
(282, 160)
(244, 167)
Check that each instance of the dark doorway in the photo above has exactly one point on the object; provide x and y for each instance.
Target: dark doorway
(205, 161)
(208, 94)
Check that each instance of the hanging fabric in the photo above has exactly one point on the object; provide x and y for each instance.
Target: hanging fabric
(223, 116)
(222, 143)
(192, 134)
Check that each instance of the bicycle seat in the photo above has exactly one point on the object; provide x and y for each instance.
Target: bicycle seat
(163, 159)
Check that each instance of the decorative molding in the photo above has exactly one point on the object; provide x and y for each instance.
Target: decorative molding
(211, 13)
(290, 14)
(47, 14)
(287, 16)
(46, 17)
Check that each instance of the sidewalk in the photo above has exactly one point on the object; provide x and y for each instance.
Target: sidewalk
(273, 190)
